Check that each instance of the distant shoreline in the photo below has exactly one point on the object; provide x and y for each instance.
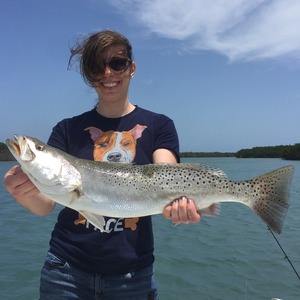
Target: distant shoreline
(288, 152)
(207, 154)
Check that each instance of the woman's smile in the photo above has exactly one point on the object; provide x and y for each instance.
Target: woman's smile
(111, 84)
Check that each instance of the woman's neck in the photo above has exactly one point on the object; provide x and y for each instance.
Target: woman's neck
(114, 110)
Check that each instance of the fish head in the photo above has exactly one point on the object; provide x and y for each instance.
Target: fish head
(47, 167)
(34, 157)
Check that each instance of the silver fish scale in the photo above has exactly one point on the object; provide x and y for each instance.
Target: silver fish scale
(125, 181)
(173, 179)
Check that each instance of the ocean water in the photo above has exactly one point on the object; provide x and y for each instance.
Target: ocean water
(232, 256)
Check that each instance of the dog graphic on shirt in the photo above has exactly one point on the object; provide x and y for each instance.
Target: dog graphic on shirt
(115, 146)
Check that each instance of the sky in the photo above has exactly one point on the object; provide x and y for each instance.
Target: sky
(226, 71)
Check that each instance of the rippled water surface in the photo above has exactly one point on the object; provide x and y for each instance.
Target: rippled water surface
(233, 256)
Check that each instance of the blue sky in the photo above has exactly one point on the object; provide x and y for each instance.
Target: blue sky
(227, 72)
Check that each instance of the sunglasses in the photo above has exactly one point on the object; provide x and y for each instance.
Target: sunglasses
(118, 64)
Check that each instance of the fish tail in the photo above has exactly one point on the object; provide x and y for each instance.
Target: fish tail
(270, 196)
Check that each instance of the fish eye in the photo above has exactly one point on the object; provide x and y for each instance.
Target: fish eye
(39, 147)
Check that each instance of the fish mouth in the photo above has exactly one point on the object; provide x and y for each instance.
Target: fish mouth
(20, 147)
(14, 145)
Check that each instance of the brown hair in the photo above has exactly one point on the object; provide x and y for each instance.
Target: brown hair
(88, 52)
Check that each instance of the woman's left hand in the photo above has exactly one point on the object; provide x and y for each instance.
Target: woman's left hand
(182, 210)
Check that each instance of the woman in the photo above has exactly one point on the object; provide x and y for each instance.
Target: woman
(82, 262)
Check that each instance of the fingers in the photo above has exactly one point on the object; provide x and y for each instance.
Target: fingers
(13, 171)
(18, 184)
(192, 212)
(179, 211)
(182, 210)
(14, 177)
(167, 211)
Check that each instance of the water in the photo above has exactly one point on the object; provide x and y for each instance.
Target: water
(233, 256)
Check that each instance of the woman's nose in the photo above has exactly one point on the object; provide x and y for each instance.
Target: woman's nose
(107, 70)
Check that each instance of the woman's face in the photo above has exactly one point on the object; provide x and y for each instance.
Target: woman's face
(111, 85)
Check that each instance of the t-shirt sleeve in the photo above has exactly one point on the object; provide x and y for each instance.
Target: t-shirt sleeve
(58, 137)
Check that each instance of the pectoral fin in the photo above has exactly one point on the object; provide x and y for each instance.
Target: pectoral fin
(212, 210)
(96, 220)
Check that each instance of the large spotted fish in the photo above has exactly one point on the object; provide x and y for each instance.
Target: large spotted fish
(97, 189)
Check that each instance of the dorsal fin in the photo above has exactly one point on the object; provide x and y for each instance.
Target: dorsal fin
(206, 168)
(203, 167)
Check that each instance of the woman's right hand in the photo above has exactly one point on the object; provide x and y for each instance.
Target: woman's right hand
(18, 184)
(26, 193)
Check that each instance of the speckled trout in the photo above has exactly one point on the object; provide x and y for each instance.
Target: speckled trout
(97, 189)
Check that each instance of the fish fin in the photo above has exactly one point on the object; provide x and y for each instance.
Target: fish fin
(212, 210)
(203, 167)
(209, 211)
(271, 200)
(96, 220)
(199, 167)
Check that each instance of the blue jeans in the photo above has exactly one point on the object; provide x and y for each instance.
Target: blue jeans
(60, 280)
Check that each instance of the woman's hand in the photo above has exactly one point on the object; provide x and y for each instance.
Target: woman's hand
(18, 184)
(182, 210)
(25, 192)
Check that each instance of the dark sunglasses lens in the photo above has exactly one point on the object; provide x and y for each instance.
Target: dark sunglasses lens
(119, 64)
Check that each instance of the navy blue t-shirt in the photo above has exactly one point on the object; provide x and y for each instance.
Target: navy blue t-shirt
(127, 244)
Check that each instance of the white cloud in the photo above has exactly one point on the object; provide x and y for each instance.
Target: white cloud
(239, 29)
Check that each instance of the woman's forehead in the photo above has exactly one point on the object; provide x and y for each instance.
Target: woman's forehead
(114, 50)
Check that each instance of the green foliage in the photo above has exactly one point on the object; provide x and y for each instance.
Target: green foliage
(291, 152)
(3, 147)
(5, 154)
(207, 154)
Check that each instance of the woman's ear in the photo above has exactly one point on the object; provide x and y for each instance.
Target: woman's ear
(133, 68)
